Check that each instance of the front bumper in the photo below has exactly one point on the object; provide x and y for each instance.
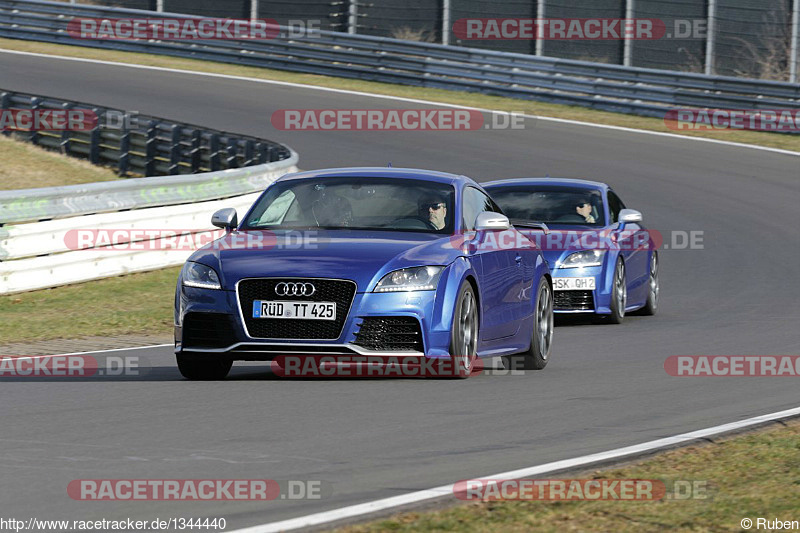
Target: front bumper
(211, 321)
(596, 301)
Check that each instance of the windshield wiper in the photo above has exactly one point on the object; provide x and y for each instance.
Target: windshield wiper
(530, 224)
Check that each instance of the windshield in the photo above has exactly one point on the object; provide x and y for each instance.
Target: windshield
(383, 204)
(550, 204)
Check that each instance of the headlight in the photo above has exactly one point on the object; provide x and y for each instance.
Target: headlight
(411, 279)
(202, 276)
(586, 258)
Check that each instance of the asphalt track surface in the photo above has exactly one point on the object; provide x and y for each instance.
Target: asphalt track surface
(604, 388)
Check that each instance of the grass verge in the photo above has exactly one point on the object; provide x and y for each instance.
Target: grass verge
(137, 303)
(26, 166)
(750, 476)
(783, 141)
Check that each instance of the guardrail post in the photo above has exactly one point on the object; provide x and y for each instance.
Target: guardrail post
(793, 66)
(65, 133)
(175, 150)
(150, 149)
(249, 150)
(712, 15)
(5, 102)
(160, 6)
(213, 148)
(253, 9)
(194, 155)
(94, 145)
(33, 135)
(233, 152)
(124, 151)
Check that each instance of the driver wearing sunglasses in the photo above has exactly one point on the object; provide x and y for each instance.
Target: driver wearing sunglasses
(584, 209)
(433, 210)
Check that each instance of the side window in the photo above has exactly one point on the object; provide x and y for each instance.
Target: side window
(615, 205)
(475, 202)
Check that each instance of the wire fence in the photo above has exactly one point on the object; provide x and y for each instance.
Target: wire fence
(746, 38)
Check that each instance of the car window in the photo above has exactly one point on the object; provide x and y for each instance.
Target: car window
(475, 202)
(360, 202)
(551, 204)
(615, 205)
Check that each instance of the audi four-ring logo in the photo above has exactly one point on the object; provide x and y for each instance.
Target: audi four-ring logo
(294, 289)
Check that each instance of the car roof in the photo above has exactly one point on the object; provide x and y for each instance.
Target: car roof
(381, 172)
(564, 182)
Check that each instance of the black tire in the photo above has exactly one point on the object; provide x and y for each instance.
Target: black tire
(201, 367)
(464, 332)
(653, 290)
(538, 354)
(618, 300)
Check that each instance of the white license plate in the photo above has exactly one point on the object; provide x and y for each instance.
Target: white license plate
(573, 284)
(304, 310)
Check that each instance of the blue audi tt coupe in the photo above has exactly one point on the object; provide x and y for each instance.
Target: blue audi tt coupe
(602, 258)
(365, 261)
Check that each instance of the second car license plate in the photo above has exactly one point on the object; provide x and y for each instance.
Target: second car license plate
(574, 284)
(304, 310)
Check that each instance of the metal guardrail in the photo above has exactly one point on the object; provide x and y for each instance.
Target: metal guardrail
(144, 145)
(615, 88)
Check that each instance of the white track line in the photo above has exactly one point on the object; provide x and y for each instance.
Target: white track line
(86, 353)
(354, 511)
(402, 99)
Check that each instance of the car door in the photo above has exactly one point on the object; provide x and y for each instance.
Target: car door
(631, 240)
(499, 272)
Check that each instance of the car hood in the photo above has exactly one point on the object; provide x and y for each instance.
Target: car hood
(564, 239)
(361, 256)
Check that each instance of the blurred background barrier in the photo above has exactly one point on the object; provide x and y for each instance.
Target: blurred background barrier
(747, 38)
(609, 87)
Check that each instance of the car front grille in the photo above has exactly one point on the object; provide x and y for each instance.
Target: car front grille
(341, 292)
(390, 334)
(207, 330)
(573, 301)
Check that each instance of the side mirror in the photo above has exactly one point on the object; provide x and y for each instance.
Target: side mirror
(488, 221)
(630, 215)
(226, 219)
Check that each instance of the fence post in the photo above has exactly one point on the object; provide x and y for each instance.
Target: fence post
(627, 50)
(5, 103)
(712, 15)
(195, 154)
(793, 66)
(253, 9)
(175, 150)
(445, 21)
(124, 151)
(150, 149)
(352, 17)
(33, 135)
(94, 145)
(213, 148)
(540, 14)
(232, 150)
(65, 133)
